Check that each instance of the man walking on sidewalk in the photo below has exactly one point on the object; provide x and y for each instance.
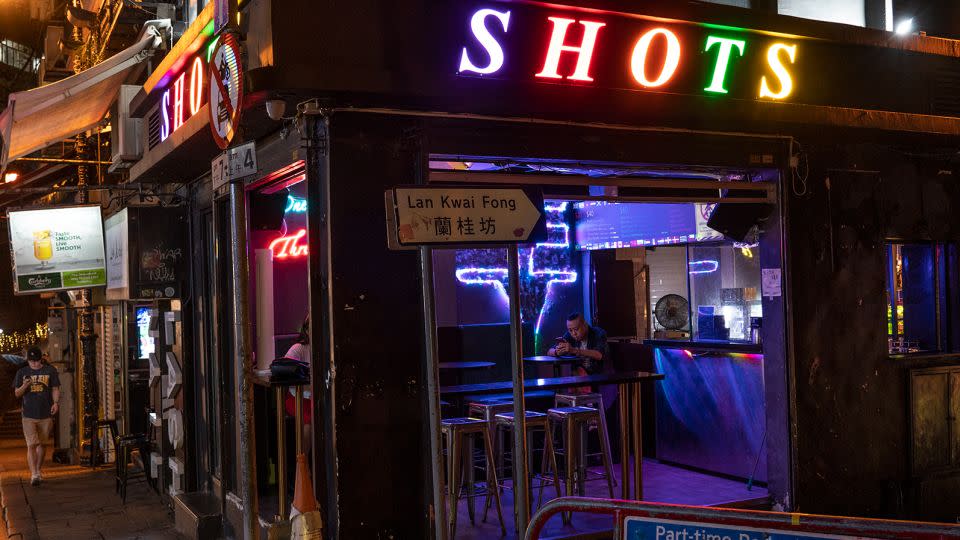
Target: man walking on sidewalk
(39, 385)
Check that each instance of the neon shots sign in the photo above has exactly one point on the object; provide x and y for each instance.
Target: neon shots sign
(525, 43)
(182, 90)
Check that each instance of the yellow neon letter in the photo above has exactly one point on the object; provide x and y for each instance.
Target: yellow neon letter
(638, 61)
(773, 58)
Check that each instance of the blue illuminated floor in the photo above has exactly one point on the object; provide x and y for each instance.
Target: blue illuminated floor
(661, 483)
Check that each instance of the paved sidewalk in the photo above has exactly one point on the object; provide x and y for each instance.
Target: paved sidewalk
(76, 503)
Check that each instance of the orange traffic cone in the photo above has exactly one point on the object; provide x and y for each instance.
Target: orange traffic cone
(305, 518)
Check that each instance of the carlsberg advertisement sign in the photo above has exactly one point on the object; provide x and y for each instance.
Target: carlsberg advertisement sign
(56, 249)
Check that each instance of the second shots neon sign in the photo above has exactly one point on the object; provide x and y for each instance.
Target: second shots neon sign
(609, 50)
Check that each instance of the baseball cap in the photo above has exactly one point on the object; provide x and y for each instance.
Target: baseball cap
(34, 354)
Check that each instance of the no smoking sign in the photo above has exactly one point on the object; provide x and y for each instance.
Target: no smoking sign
(226, 90)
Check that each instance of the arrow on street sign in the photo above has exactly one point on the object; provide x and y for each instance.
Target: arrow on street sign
(466, 215)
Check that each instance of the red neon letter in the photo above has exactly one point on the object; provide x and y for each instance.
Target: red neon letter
(638, 62)
(584, 51)
(288, 246)
(178, 102)
(196, 86)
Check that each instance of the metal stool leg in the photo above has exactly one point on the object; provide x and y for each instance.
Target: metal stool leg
(606, 437)
(544, 466)
(607, 461)
(582, 458)
(488, 446)
(553, 460)
(570, 450)
(454, 483)
(471, 478)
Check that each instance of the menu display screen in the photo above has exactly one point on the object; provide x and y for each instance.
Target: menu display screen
(145, 345)
(608, 225)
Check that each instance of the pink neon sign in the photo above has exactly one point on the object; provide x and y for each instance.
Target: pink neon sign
(291, 246)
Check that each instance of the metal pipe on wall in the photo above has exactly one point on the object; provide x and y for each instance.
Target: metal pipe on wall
(243, 366)
(431, 380)
(623, 399)
(315, 142)
(521, 481)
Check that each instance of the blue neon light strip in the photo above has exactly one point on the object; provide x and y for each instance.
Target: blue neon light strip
(703, 267)
(497, 276)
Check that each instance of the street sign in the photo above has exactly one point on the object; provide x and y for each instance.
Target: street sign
(642, 528)
(432, 215)
(226, 89)
(234, 163)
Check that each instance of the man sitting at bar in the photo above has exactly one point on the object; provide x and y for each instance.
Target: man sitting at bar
(588, 343)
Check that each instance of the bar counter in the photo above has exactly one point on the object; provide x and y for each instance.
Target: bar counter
(710, 409)
(706, 345)
(551, 383)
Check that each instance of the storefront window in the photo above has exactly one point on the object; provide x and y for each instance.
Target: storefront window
(725, 289)
(921, 297)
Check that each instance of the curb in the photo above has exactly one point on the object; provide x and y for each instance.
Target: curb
(15, 510)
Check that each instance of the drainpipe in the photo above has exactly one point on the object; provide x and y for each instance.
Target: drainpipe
(315, 142)
(243, 368)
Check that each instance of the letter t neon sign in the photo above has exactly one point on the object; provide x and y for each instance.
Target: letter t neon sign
(723, 60)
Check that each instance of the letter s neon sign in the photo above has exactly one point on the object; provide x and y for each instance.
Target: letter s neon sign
(486, 39)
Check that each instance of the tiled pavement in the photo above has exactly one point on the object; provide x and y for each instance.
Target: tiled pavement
(76, 503)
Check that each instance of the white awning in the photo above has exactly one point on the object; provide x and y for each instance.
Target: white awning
(37, 118)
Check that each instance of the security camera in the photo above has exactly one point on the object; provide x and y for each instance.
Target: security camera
(276, 108)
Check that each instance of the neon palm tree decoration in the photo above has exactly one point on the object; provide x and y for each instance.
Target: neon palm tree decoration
(543, 267)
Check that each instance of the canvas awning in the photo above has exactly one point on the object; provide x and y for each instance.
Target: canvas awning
(37, 118)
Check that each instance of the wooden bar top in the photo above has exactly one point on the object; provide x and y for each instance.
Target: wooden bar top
(552, 383)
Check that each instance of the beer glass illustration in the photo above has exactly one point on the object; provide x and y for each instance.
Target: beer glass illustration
(43, 247)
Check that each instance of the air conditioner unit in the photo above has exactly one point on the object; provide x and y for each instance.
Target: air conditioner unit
(125, 132)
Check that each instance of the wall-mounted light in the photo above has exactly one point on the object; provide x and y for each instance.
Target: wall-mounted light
(10, 177)
(904, 27)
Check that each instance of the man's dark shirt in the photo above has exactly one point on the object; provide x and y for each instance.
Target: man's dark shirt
(39, 397)
(596, 341)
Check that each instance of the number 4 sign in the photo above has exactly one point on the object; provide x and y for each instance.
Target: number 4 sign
(237, 162)
(226, 90)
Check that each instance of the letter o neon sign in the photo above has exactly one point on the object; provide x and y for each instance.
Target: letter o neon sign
(638, 61)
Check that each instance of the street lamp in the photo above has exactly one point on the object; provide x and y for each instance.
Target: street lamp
(904, 27)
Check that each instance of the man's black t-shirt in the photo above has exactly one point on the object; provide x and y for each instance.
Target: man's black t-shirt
(597, 341)
(39, 397)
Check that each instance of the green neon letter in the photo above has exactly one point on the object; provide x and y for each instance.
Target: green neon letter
(723, 59)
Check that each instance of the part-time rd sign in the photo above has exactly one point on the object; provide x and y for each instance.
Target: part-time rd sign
(443, 215)
(640, 528)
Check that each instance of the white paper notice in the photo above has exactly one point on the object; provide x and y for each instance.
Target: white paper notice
(770, 282)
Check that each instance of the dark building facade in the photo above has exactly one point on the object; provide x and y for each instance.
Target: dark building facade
(851, 130)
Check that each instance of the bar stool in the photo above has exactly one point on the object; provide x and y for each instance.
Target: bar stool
(594, 400)
(459, 432)
(535, 420)
(111, 426)
(126, 445)
(574, 421)
(486, 411)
